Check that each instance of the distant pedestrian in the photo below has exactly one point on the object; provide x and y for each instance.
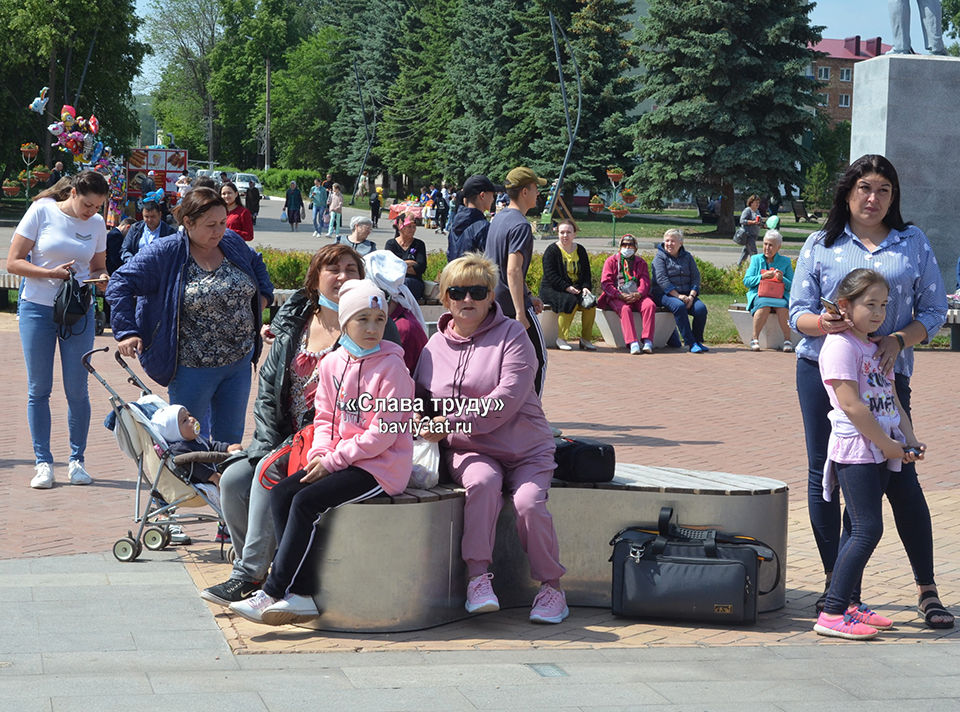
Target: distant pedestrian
(376, 206)
(293, 204)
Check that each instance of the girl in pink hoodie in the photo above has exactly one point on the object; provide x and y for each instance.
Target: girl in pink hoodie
(360, 449)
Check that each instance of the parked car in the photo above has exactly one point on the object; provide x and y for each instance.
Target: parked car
(245, 180)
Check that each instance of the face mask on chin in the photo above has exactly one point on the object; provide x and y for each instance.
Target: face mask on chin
(353, 348)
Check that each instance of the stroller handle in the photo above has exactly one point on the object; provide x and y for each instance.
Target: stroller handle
(85, 359)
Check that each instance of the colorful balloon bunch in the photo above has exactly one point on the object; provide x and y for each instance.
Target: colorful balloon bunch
(79, 136)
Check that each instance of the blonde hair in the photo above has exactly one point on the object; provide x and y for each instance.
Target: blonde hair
(674, 231)
(469, 270)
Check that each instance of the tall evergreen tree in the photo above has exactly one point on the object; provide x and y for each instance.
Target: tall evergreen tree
(731, 97)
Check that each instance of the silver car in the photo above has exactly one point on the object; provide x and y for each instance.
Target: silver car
(244, 181)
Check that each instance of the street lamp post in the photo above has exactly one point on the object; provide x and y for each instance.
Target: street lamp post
(266, 133)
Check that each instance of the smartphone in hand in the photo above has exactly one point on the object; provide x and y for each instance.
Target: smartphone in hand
(830, 306)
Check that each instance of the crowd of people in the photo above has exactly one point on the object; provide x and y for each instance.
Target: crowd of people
(189, 306)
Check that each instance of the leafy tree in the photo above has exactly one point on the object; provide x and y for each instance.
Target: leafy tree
(46, 44)
(730, 97)
(818, 189)
(301, 108)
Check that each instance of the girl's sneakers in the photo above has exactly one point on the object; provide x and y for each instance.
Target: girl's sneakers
(844, 627)
(862, 614)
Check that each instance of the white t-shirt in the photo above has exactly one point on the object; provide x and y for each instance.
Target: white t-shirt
(58, 238)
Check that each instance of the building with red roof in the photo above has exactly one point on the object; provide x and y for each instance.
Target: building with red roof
(835, 71)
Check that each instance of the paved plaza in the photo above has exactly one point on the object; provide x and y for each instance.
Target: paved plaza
(85, 632)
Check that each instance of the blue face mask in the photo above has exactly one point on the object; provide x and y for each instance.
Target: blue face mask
(328, 303)
(354, 349)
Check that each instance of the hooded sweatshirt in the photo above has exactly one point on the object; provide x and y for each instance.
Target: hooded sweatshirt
(496, 362)
(346, 436)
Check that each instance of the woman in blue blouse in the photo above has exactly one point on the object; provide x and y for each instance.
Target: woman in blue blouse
(865, 229)
(770, 269)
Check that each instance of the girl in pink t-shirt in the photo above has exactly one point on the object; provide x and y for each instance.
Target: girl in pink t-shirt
(870, 437)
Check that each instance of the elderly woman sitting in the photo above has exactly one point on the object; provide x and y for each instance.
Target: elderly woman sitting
(360, 229)
(768, 280)
(480, 354)
(676, 286)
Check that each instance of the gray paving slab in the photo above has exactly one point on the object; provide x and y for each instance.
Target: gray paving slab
(321, 682)
(550, 693)
(69, 685)
(195, 702)
(150, 661)
(441, 675)
(429, 699)
(927, 705)
(14, 664)
(754, 689)
(26, 704)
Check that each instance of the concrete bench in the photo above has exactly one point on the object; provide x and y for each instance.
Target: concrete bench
(393, 564)
(953, 322)
(770, 336)
(609, 324)
(8, 282)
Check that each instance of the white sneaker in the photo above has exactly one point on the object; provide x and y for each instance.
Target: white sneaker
(292, 608)
(787, 346)
(316, 234)
(634, 348)
(252, 608)
(563, 345)
(647, 347)
(44, 477)
(78, 475)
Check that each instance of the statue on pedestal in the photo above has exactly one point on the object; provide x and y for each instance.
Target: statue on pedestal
(930, 20)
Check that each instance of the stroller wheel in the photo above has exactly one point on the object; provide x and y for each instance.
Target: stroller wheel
(231, 555)
(154, 538)
(126, 549)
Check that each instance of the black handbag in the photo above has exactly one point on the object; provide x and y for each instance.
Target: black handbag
(685, 574)
(584, 460)
(70, 305)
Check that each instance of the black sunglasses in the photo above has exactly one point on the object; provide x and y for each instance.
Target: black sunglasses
(477, 293)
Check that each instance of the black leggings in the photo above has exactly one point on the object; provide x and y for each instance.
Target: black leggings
(297, 510)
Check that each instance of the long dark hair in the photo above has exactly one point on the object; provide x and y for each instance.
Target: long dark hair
(86, 183)
(840, 212)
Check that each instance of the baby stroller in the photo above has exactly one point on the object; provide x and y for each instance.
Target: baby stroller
(159, 473)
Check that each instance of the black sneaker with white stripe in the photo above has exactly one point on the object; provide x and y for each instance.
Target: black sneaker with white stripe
(230, 591)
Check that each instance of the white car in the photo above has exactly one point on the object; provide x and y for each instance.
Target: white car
(245, 180)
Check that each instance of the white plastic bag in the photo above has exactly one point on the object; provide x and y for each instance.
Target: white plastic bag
(426, 464)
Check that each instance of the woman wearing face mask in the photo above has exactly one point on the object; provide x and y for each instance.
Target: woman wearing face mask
(626, 289)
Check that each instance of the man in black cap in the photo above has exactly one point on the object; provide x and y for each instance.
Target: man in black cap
(468, 232)
(510, 247)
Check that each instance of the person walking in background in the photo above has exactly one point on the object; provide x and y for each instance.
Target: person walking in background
(318, 201)
(55, 175)
(293, 204)
(750, 221)
(239, 218)
(253, 202)
(335, 203)
(376, 206)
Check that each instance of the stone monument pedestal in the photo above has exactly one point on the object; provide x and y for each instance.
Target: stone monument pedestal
(907, 108)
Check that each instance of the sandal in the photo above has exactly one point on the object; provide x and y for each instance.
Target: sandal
(934, 610)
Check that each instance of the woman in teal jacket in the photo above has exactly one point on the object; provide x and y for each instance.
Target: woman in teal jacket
(775, 271)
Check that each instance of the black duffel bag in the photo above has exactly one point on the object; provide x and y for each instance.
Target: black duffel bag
(684, 574)
(584, 460)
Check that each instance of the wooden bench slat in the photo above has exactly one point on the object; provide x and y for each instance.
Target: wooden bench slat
(422, 495)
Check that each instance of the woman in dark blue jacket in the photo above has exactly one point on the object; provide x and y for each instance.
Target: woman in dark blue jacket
(189, 306)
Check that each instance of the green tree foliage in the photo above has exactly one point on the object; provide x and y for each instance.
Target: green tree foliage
(730, 97)
(301, 107)
(951, 18)
(421, 106)
(818, 189)
(42, 41)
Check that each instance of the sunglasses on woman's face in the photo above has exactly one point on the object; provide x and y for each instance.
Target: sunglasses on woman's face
(477, 293)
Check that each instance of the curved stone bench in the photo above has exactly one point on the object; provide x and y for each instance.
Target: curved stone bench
(393, 564)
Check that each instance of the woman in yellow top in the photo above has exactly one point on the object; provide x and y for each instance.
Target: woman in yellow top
(566, 285)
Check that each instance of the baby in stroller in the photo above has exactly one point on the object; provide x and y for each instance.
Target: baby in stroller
(182, 432)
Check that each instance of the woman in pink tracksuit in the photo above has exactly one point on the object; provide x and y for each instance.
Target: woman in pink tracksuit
(625, 282)
(352, 458)
(481, 365)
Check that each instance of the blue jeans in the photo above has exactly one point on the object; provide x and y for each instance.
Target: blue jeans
(906, 497)
(317, 217)
(682, 316)
(217, 397)
(863, 486)
(39, 338)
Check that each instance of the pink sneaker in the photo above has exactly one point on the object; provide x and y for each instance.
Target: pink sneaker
(862, 614)
(550, 606)
(844, 627)
(480, 595)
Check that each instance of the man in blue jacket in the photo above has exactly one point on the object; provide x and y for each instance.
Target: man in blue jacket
(145, 231)
(468, 232)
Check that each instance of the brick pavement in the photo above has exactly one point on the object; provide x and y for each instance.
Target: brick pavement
(729, 410)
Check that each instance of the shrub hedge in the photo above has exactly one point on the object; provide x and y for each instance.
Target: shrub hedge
(288, 268)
